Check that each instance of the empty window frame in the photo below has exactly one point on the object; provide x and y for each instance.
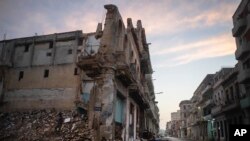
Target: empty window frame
(26, 48)
(20, 75)
(80, 41)
(46, 73)
(49, 54)
(76, 71)
(70, 51)
(50, 44)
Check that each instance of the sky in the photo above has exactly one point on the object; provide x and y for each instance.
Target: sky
(189, 38)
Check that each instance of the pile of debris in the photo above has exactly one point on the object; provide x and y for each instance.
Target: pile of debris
(41, 124)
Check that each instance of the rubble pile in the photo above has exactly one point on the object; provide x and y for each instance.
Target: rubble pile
(41, 124)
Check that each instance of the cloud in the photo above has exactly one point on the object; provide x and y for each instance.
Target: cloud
(217, 46)
(162, 18)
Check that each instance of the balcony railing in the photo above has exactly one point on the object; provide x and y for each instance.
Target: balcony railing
(231, 106)
(208, 87)
(217, 83)
(216, 110)
(208, 102)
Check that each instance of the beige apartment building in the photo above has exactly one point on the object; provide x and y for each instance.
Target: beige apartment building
(106, 74)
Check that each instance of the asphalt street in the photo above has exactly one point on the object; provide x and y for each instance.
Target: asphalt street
(173, 139)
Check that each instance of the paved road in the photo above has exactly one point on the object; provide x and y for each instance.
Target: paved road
(174, 139)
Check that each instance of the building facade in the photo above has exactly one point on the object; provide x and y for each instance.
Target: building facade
(185, 107)
(212, 105)
(241, 33)
(174, 125)
(106, 75)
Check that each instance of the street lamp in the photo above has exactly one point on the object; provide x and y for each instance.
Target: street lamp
(159, 93)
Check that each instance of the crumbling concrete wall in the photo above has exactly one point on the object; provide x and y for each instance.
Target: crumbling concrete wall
(6, 53)
(42, 54)
(65, 52)
(21, 56)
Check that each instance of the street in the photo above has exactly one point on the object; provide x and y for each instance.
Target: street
(173, 139)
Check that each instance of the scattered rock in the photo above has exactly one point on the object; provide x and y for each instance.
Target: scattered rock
(40, 125)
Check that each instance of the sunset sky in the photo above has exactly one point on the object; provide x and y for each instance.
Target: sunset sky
(190, 38)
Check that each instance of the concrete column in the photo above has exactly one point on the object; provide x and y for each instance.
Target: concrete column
(105, 100)
(54, 50)
(134, 118)
(127, 118)
(32, 48)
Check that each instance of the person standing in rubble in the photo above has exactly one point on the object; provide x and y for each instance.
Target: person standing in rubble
(59, 122)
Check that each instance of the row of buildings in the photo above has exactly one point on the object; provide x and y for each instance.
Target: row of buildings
(223, 98)
(173, 126)
(106, 74)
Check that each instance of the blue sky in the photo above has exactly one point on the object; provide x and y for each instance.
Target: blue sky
(190, 38)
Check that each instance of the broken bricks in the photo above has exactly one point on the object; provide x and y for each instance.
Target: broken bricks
(40, 125)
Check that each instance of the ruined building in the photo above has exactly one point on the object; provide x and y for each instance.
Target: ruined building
(105, 75)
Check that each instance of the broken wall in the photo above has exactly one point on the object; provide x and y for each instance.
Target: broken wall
(37, 79)
(36, 91)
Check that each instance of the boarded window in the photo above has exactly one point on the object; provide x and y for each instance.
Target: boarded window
(20, 75)
(46, 73)
(119, 106)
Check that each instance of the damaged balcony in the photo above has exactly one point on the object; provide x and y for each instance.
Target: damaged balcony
(90, 64)
(216, 110)
(123, 70)
(88, 59)
(136, 94)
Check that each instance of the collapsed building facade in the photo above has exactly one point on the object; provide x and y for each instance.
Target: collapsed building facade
(105, 75)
